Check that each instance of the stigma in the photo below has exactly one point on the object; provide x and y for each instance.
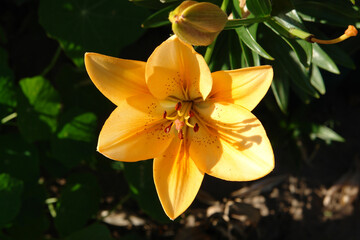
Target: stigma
(181, 119)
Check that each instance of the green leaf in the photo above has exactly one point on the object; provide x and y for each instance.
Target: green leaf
(253, 29)
(77, 91)
(79, 201)
(321, 59)
(289, 21)
(249, 40)
(300, 47)
(74, 142)
(325, 133)
(95, 231)
(290, 65)
(7, 86)
(80, 26)
(295, 71)
(10, 198)
(339, 56)
(32, 221)
(234, 51)
(140, 180)
(327, 12)
(219, 60)
(259, 7)
(281, 7)
(317, 80)
(38, 107)
(299, 74)
(159, 18)
(280, 87)
(247, 59)
(304, 96)
(236, 10)
(81, 127)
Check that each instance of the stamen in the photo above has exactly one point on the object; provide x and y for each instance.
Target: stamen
(180, 134)
(178, 106)
(196, 127)
(351, 31)
(171, 118)
(168, 128)
(188, 124)
(191, 113)
(164, 114)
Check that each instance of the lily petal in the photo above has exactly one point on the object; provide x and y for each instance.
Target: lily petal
(116, 78)
(244, 87)
(135, 130)
(175, 69)
(231, 143)
(177, 179)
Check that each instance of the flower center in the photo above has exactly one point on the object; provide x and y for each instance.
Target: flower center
(181, 118)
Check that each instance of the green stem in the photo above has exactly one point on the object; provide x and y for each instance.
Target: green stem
(300, 33)
(52, 62)
(209, 51)
(278, 27)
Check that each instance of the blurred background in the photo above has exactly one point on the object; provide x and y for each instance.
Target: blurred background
(54, 185)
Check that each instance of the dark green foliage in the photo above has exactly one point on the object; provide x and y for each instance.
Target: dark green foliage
(38, 108)
(79, 201)
(139, 177)
(91, 26)
(10, 195)
(7, 86)
(92, 232)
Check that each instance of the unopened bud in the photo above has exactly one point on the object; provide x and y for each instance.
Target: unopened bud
(197, 23)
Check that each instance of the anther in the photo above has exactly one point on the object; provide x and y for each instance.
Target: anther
(196, 127)
(164, 114)
(191, 114)
(178, 106)
(168, 128)
(180, 134)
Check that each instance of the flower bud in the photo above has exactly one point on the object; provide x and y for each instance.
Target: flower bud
(197, 23)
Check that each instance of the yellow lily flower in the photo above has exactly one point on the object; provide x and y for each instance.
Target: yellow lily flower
(191, 121)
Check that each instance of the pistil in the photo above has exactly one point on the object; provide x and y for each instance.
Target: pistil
(181, 118)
